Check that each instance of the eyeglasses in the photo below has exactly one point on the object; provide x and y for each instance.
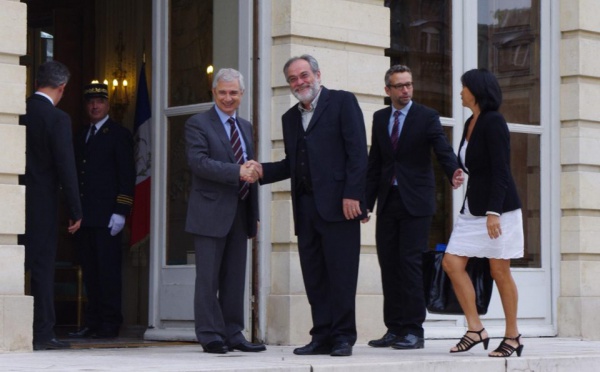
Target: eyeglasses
(401, 86)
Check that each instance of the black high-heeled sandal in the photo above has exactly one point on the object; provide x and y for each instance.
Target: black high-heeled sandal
(466, 342)
(507, 350)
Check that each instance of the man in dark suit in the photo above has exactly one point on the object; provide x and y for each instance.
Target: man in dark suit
(222, 214)
(49, 164)
(104, 153)
(400, 177)
(326, 159)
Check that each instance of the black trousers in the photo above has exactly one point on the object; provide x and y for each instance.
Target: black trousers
(40, 257)
(401, 240)
(100, 255)
(329, 256)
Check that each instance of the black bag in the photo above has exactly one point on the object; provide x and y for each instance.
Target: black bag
(439, 294)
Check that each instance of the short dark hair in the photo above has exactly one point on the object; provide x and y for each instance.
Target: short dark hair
(395, 69)
(52, 74)
(314, 65)
(485, 88)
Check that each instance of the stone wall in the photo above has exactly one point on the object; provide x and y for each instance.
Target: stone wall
(350, 55)
(579, 300)
(16, 309)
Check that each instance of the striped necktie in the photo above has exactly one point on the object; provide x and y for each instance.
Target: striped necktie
(238, 153)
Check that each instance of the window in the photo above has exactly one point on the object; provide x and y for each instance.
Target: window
(190, 83)
(190, 52)
(509, 40)
(421, 38)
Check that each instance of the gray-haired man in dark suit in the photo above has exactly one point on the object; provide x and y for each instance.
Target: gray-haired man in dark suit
(50, 165)
(326, 160)
(222, 215)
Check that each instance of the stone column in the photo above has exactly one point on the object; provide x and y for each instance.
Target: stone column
(348, 39)
(16, 309)
(579, 300)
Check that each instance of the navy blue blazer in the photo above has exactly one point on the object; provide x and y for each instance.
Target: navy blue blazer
(106, 171)
(491, 186)
(337, 151)
(411, 163)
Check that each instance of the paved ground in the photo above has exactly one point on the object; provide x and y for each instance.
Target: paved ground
(539, 354)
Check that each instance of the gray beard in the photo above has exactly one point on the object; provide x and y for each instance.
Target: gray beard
(310, 95)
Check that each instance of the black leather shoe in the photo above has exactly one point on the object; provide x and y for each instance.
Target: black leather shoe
(215, 347)
(52, 344)
(409, 342)
(313, 348)
(248, 347)
(85, 332)
(341, 349)
(386, 341)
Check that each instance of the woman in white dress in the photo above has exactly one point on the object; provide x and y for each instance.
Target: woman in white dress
(490, 222)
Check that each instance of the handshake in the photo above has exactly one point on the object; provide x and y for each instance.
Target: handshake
(251, 171)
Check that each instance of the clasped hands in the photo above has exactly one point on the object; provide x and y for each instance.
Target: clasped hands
(251, 171)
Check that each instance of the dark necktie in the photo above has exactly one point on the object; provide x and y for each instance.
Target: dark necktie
(395, 129)
(92, 132)
(394, 136)
(238, 153)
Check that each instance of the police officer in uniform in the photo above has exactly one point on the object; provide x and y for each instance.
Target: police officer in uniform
(106, 171)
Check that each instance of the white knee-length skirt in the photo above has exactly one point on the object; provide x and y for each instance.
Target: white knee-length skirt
(470, 236)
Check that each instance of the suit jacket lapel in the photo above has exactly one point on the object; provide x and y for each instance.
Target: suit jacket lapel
(386, 140)
(322, 104)
(215, 122)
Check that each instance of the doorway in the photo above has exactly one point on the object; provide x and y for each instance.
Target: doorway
(67, 31)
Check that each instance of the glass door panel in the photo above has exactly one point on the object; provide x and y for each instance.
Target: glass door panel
(525, 166)
(421, 38)
(180, 245)
(509, 46)
(190, 52)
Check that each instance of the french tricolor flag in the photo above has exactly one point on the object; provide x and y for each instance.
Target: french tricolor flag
(140, 215)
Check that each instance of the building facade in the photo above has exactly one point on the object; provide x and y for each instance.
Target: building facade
(16, 308)
(543, 53)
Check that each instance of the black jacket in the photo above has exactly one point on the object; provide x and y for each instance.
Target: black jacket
(411, 163)
(106, 172)
(337, 151)
(491, 186)
(50, 164)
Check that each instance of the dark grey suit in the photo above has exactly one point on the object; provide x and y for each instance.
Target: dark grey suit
(221, 224)
(50, 163)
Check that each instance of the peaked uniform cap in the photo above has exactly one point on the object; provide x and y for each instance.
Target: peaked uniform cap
(95, 90)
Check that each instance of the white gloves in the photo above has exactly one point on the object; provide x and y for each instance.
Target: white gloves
(116, 224)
